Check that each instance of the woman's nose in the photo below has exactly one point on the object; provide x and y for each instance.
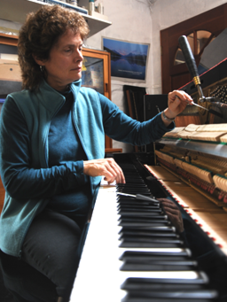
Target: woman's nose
(79, 56)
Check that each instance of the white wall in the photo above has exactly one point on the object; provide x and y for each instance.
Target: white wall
(131, 21)
(140, 21)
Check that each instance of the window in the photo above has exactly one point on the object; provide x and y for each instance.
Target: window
(198, 41)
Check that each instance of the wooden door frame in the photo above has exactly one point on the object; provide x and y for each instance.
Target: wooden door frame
(106, 77)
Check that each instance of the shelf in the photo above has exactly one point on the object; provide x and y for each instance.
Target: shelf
(17, 10)
(216, 149)
(64, 4)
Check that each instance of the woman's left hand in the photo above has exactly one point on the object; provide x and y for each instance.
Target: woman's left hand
(177, 101)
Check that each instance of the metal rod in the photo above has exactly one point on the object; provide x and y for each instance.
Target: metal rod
(194, 104)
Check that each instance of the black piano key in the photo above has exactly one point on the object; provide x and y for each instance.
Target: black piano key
(132, 205)
(143, 224)
(135, 209)
(147, 228)
(150, 286)
(140, 197)
(140, 185)
(141, 256)
(134, 190)
(157, 266)
(128, 186)
(142, 243)
(147, 283)
(149, 289)
(133, 180)
(150, 238)
(135, 185)
(133, 202)
(163, 260)
(148, 234)
(132, 175)
(144, 219)
(177, 295)
(139, 213)
(151, 261)
(133, 171)
(140, 222)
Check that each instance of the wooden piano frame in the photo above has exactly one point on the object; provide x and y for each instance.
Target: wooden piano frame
(210, 148)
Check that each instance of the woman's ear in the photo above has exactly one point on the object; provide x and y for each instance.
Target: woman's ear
(38, 61)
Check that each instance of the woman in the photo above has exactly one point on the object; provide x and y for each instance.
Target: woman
(52, 145)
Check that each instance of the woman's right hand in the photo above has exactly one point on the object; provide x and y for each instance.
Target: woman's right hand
(106, 167)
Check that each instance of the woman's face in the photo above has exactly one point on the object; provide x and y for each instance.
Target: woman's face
(64, 65)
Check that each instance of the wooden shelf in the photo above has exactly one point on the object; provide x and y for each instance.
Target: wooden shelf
(17, 10)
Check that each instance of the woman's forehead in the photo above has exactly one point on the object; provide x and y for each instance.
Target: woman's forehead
(69, 37)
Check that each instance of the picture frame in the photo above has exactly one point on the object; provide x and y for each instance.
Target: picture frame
(128, 59)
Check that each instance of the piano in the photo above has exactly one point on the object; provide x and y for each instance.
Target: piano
(133, 252)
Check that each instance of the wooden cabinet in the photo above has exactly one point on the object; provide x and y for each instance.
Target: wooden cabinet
(97, 64)
(97, 75)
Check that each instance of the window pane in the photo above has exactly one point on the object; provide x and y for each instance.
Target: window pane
(202, 37)
(92, 73)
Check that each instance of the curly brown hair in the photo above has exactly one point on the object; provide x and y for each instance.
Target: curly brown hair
(37, 36)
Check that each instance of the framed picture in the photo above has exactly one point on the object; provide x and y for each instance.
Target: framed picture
(128, 60)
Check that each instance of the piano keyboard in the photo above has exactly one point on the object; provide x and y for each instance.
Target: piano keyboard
(133, 254)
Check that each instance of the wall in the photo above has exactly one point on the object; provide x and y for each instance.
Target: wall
(140, 21)
(131, 21)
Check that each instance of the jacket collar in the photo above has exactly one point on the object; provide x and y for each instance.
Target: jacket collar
(52, 99)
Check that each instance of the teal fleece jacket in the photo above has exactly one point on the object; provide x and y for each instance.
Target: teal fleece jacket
(28, 181)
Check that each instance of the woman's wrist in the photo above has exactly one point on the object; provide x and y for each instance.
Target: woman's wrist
(168, 116)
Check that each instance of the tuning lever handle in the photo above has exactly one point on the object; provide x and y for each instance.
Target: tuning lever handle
(190, 62)
(189, 58)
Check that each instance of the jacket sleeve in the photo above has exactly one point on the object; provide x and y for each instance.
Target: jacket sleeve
(121, 127)
(19, 178)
